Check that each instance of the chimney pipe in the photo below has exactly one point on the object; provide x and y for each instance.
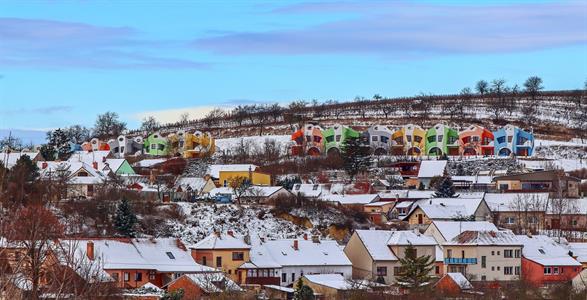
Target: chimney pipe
(295, 245)
(305, 236)
(104, 159)
(95, 165)
(44, 165)
(231, 233)
(90, 250)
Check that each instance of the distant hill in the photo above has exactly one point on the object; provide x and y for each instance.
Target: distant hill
(550, 114)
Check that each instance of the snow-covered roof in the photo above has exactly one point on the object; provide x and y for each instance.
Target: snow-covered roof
(351, 199)
(88, 156)
(546, 251)
(431, 168)
(514, 201)
(160, 254)
(450, 229)
(147, 163)
(460, 280)
(377, 242)
(215, 282)
(567, 206)
(221, 241)
(253, 191)
(309, 189)
(191, 183)
(53, 168)
(416, 194)
(309, 253)
(214, 170)
(404, 204)
(579, 250)
(473, 179)
(335, 281)
(394, 194)
(380, 203)
(8, 160)
(447, 208)
(485, 238)
(279, 288)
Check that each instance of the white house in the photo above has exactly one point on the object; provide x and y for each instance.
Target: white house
(443, 231)
(429, 169)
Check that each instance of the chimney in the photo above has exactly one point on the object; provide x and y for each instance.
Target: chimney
(231, 233)
(90, 250)
(305, 236)
(250, 174)
(262, 239)
(95, 165)
(44, 165)
(316, 239)
(104, 159)
(295, 245)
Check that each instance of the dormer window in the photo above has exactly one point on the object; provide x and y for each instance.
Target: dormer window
(541, 251)
(315, 187)
(170, 255)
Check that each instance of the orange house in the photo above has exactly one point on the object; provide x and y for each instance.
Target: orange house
(202, 285)
(476, 140)
(453, 284)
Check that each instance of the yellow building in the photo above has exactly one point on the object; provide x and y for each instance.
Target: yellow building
(223, 174)
(409, 140)
(224, 252)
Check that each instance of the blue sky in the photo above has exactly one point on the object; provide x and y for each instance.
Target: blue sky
(63, 62)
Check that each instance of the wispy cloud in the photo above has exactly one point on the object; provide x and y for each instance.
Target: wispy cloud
(39, 110)
(57, 44)
(400, 29)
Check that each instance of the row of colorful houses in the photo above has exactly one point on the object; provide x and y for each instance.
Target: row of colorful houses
(183, 143)
(413, 140)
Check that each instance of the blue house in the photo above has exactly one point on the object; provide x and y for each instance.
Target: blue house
(511, 139)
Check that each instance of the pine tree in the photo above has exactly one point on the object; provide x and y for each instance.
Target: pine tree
(59, 141)
(415, 269)
(356, 157)
(302, 291)
(125, 219)
(445, 188)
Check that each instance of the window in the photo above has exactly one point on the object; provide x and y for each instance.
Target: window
(170, 255)
(510, 220)
(504, 186)
(532, 220)
(375, 138)
(411, 252)
(492, 253)
(126, 276)
(409, 138)
(329, 139)
(437, 270)
(417, 139)
(555, 270)
(483, 277)
(283, 277)
(462, 253)
(225, 183)
(508, 253)
(547, 271)
(483, 261)
(541, 251)
(229, 272)
(510, 138)
(153, 146)
(384, 139)
(160, 147)
(82, 174)
(517, 253)
(517, 270)
(317, 139)
(138, 276)
(152, 275)
(238, 256)
(498, 268)
(315, 187)
(501, 140)
(251, 273)
(397, 271)
(381, 271)
(432, 139)
(338, 138)
(508, 270)
(440, 138)
(475, 139)
(498, 253)
(218, 261)
(293, 276)
(204, 261)
(492, 268)
(574, 222)
(449, 253)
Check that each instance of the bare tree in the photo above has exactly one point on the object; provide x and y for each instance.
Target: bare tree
(482, 87)
(533, 86)
(184, 118)
(214, 117)
(150, 124)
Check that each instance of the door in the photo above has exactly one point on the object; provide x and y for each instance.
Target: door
(420, 219)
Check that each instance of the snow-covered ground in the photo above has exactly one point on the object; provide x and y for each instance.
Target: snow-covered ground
(203, 218)
(255, 142)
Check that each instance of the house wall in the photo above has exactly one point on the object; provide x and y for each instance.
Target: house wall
(520, 220)
(257, 178)
(327, 292)
(495, 262)
(432, 231)
(132, 283)
(533, 272)
(299, 271)
(359, 256)
(447, 286)
(190, 289)
(125, 168)
(414, 217)
(229, 266)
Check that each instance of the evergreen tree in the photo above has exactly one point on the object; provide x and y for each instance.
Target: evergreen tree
(125, 219)
(175, 295)
(445, 188)
(356, 157)
(48, 152)
(302, 291)
(59, 140)
(415, 269)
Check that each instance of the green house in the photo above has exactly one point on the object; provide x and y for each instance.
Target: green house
(441, 139)
(335, 137)
(156, 145)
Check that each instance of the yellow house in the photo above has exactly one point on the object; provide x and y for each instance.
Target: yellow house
(224, 252)
(410, 140)
(223, 174)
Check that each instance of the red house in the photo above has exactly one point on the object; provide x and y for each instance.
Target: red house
(544, 261)
(453, 284)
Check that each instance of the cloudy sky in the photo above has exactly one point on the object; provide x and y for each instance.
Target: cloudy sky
(63, 62)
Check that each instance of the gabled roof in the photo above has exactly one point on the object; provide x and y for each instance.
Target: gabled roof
(485, 238)
(460, 280)
(503, 202)
(377, 242)
(579, 250)
(431, 168)
(309, 189)
(254, 191)
(450, 229)
(190, 183)
(351, 199)
(215, 282)
(216, 241)
(447, 208)
(160, 254)
(338, 282)
(147, 163)
(53, 168)
(546, 251)
(214, 170)
(309, 253)
(8, 160)
(538, 175)
(88, 156)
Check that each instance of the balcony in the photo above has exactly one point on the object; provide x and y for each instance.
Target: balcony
(460, 261)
